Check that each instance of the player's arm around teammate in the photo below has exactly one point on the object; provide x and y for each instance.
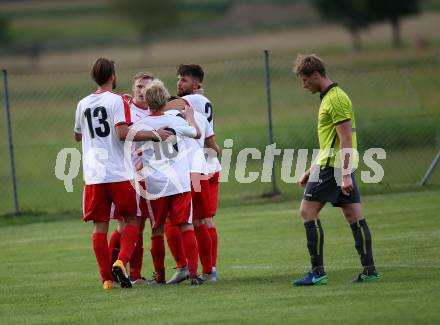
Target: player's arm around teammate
(168, 183)
(189, 81)
(138, 110)
(100, 121)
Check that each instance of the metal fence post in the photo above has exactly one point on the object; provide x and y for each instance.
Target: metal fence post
(10, 144)
(430, 170)
(275, 190)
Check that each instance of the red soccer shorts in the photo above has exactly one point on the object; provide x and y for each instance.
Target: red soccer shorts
(98, 198)
(141, 204)
(177, 207)
(201, 200)
(213, 193)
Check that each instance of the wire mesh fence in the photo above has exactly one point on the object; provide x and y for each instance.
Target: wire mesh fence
(396, 109)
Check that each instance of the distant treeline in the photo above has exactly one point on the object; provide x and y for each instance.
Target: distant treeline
(33, 27)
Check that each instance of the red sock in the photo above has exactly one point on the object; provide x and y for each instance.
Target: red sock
(137, 258)
(100, 247)
(205, 247)
(191, 251)
(175, 243)
(129, 237)
(214, 240)
(114, 246)
(158, 256)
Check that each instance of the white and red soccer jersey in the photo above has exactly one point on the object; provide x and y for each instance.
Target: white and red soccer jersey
(201, 104)
(196, 156)
(96, 117)
(137, 113)
(165, 164)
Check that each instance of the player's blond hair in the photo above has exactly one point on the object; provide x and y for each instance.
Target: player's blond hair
(156, 95)
(143, 75)
(308, 64)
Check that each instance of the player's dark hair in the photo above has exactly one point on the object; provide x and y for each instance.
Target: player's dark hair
(102, 70)
(192, 70)
(308, 64)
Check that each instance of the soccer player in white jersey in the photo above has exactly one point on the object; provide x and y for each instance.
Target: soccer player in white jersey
(101, 124)
(189, 82)
(138, 110)
(167, 179)
(199, 192)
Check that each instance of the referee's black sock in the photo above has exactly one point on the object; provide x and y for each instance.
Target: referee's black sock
(362, 240)
(315, 244)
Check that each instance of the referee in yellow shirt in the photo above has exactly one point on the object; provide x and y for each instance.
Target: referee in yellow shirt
(331, 176)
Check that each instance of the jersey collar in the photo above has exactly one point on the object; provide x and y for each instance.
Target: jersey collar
(326, 90)
(140, 107)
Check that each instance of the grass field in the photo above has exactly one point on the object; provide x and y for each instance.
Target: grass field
(49, 273)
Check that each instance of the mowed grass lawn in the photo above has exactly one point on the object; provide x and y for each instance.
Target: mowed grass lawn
(49, 273)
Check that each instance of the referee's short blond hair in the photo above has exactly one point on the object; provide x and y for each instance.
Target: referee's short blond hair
(156, 95)
(308, 64)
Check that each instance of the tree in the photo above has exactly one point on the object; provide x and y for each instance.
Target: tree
(393, 11)
(149, 17)
(354, 15)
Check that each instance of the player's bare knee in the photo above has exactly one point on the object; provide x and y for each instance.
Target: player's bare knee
(157, 232)
(197, 222)
(186, 227)
(121, 225)
(209, 222)
(131, 220)
(307, 214)
(351, 218)
(352, 212)
(100, 227)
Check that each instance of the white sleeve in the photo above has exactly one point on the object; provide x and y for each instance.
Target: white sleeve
(121, 113)
(187, 131)
(189, 99)
(182, 128)
(174, 112)
(197, 102)
(194, 101)
(77, 128)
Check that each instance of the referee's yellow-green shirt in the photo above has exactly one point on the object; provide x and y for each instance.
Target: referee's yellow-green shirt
(335, 108)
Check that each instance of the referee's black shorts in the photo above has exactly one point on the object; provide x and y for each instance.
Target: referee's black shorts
(322, 187)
